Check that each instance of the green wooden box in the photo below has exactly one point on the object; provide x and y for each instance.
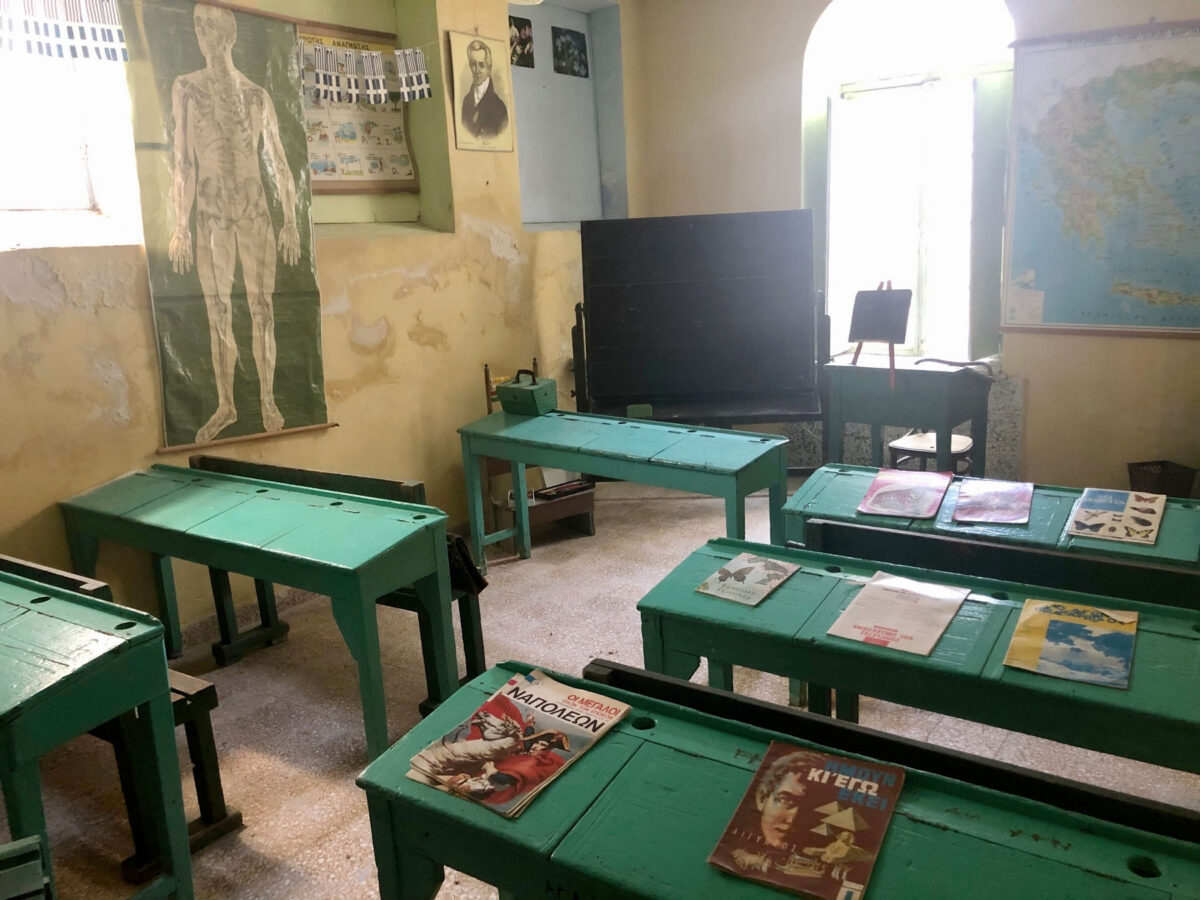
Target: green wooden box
(528, 395)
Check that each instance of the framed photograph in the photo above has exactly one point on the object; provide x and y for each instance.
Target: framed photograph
(520, 42)
(570, 52)
(482, 93)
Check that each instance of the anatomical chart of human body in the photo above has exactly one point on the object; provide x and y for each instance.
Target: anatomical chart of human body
(225, 199)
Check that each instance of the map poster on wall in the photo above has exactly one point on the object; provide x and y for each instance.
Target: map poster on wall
(355, 146)
(1104, 182)
(219, 135)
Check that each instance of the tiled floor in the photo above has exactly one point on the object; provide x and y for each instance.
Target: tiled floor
(289, 729)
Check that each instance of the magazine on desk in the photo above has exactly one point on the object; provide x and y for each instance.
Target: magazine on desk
(982, 500)
(1073, 641)
(517, 742)
(747, 578)
(900, 492)
(811, 823)
(899, 613)
(1118, 515)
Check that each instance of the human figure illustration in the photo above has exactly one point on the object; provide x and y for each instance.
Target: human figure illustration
(221, 117)
(484, 114)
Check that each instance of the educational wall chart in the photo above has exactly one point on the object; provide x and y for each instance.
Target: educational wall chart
(225, 206)
(354, 144)
(1105, 182)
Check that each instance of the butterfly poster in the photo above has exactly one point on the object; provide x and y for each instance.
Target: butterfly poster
(1079, 643)
(1118, 515)
(747, 578)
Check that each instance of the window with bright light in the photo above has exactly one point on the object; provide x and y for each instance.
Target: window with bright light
(67, 154)
(900, 206)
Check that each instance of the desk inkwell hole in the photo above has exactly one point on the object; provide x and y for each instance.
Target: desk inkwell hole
(999, 595)
(1143, 867)
(336, 503)
(419, 516)
(833, 568)
(642, 723)
(261, 491)
(122, 626)
(39, 599)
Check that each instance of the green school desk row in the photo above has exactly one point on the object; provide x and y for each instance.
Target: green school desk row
(718, 462)
(1157, 719)
(72, 663)
(350, 548)
(822, 515)
(639, 813)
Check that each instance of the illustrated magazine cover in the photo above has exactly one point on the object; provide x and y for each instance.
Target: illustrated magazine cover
(517, 742)
(810, 822)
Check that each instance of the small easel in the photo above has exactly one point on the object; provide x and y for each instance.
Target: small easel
(881, 315)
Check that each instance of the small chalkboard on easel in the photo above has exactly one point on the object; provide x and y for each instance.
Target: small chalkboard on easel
(880, 315)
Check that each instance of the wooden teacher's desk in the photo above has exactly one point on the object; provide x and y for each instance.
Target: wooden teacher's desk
(931, 396)
(1156, 719)
(727, 464)
(350, 548)
(823, 515)
(70, 663)
(638, 814)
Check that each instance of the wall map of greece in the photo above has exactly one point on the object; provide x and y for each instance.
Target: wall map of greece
(222, 163)
(1104, 227)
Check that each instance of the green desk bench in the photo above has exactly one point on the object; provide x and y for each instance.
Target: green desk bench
(639, 813)
(352, 549)
(1156, 720)
(68, 664)
(721, 463)
(822, 516)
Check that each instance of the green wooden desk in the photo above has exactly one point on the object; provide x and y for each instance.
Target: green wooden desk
(822, 515)
(1156, 720)
(638, 814)
(349, 548)
(931, 396)
(69, 663)
(727, 464)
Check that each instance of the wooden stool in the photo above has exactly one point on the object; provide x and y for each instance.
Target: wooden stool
(191, 702)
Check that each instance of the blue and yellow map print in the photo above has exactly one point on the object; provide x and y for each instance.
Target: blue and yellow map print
(1104, 226)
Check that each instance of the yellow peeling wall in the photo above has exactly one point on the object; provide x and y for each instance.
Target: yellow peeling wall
(409, 316)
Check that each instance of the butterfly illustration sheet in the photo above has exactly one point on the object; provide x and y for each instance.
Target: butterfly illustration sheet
(1107, 514)
(747, 578)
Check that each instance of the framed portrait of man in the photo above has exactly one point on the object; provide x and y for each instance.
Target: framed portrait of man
(482, 92)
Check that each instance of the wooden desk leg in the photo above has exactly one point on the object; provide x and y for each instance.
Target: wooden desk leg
(820, 700)
(735, 515)
(521, 509)
(942, 438)
(84, 550)
(471, 464)
(166, 793)
(657, 657)
(720, 675)
(355, 617)
(979, 443)
(168, 612)
(402, 873)
(847, 706)
(436, 621)
(876, 445)
(26, 816)
(777, 497)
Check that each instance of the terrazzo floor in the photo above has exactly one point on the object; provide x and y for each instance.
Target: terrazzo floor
(289, 729)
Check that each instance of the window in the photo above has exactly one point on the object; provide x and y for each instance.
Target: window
(67, 154)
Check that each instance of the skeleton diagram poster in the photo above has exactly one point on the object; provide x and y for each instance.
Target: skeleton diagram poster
(223, 168)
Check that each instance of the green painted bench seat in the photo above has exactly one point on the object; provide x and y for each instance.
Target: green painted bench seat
(349, 548)
(822, 515)
(1156, 720)
(68, 664)
(713, 461)
(638, 814)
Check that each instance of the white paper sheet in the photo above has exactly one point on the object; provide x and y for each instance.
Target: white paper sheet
(899, 613)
